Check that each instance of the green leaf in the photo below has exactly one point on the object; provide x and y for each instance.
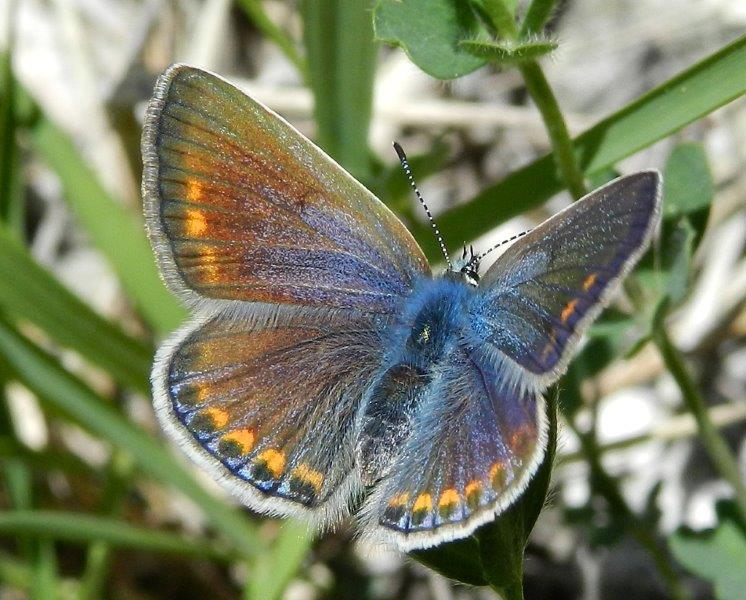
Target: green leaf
(537, 15)
(509, 53)
(341, 61)
(64, 392)
(699, 90)
(493, 555)
(666, 270)
(77, 527)
(678, 261)
(37, 297)
(717, 556)
(429, 31)
(687, 185)
(114, 230)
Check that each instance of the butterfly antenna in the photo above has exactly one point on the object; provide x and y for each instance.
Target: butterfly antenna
(479, 257)
(408, 172)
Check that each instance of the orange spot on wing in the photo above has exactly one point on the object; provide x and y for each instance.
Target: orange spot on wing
(194, 190)
(497, 475)
(218, 416)
(589, 281)
(568, 310)
(243, 437)
(399, 499)
(448, 498)
(423, 502)
(309, 475)
(522, 439)
(549, 346)
(473, 487)
(208, 268)
(274, 460)
(196, 223)
(202, 393)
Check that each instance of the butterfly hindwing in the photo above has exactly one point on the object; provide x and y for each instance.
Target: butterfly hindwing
(267, 401)
(543, 292)
(472, 451)
(240, 206)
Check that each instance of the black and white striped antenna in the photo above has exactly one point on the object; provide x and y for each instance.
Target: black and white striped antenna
(481, 255)
(408, 173)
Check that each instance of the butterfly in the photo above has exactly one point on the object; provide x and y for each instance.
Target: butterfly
(325, 368)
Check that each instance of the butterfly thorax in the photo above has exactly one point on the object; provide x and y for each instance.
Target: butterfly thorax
(433, 323)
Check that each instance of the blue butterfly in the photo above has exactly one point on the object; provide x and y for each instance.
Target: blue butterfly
(325, 365)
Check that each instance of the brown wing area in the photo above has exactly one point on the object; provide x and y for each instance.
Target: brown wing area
(240, 206)
(269, 405)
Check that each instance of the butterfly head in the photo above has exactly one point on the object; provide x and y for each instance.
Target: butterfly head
(467, 267)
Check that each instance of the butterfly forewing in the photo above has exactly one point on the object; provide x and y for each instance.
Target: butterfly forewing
(240, 206)
(544, 290)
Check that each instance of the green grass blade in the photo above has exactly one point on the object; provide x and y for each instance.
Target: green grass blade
(338, 35)
(37, 297)
(273, 570)
(119, 474)
(537, 15)
(77, 527)
(699, 90)
(255, 11)
(45, 571)
(44, 460)
(114, 230)
(11, 197)
(64, 392)
(18, 575)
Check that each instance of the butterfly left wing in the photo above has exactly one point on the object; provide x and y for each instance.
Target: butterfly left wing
(474, 446)
(544, 291)
(241, 207)
(266, 401)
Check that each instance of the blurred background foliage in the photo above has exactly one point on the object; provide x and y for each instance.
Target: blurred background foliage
(647, 500)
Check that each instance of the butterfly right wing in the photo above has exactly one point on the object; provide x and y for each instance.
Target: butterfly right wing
(540, 296)
(267, 401)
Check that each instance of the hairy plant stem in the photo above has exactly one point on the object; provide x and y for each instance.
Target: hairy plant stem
(564, 157)
(714, 444)
(562, 150)
(541, 92)
(606, 486)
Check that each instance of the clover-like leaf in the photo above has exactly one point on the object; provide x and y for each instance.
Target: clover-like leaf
(718, 556)
(688, 185)
(664, 274)
(429, 31)
(493, 554)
